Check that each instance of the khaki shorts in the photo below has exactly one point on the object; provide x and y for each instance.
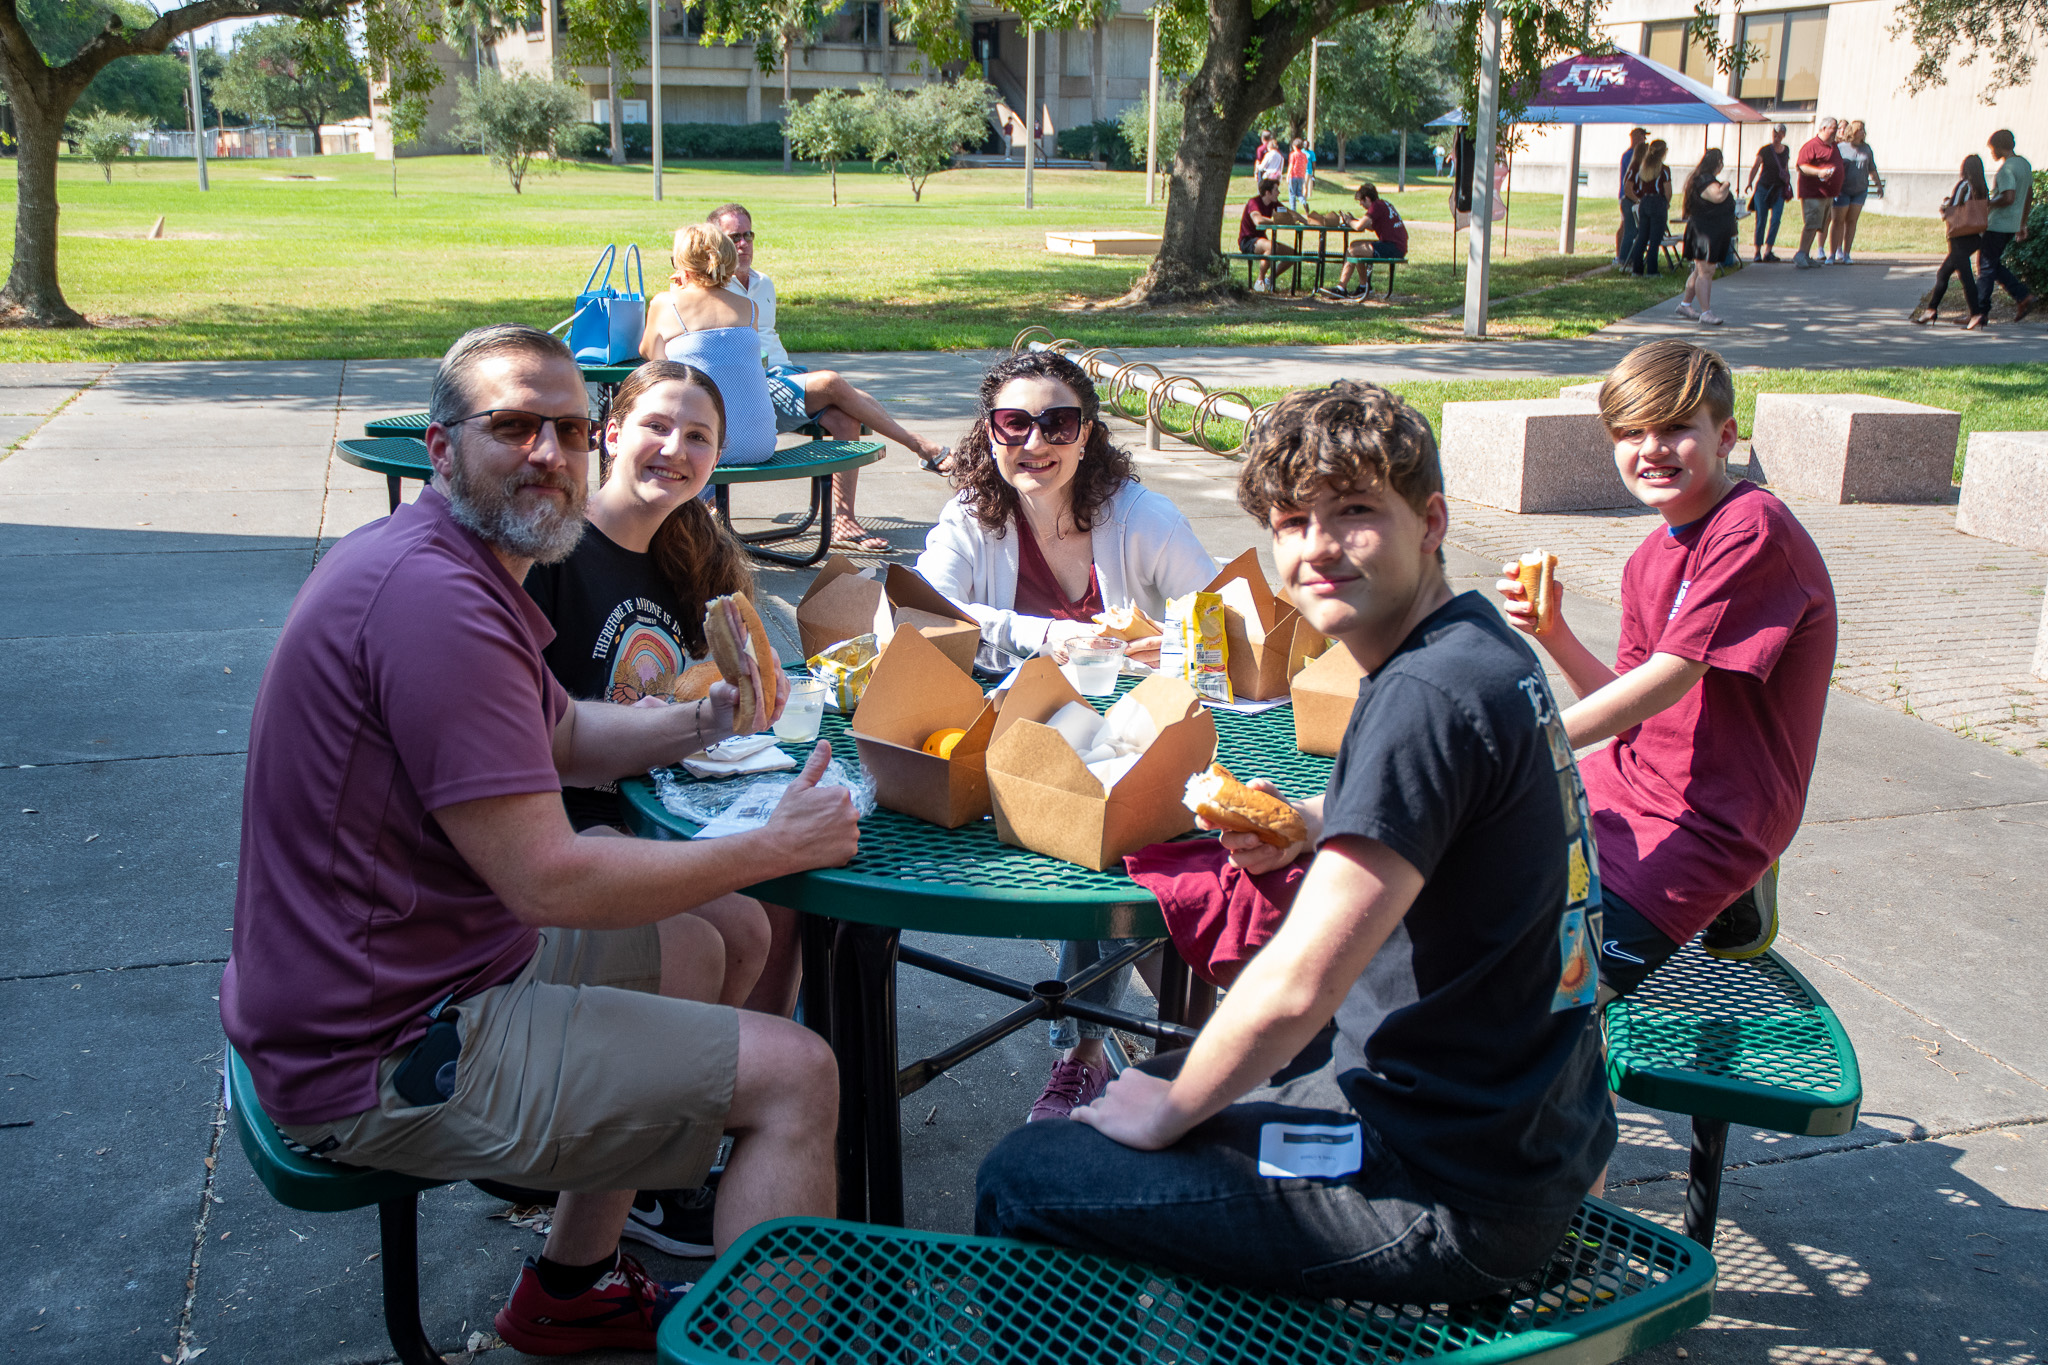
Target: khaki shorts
(574, 1075)
(1817, 211)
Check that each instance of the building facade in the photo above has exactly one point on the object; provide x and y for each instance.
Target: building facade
(1083, 76)
(1812, 61)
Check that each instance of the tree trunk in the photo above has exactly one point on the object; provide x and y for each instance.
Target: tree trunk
(618, 114)
(32, 282)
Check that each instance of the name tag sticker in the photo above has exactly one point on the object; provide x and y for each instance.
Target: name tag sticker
(1310, 1151)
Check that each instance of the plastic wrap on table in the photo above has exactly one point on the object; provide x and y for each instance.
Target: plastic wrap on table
(742, 803)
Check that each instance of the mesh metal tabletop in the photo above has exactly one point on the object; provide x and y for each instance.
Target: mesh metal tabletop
(915, 875)
(404, 424)
(812, 458)
(797, 1289)
(1747, 1042)
(403, 456)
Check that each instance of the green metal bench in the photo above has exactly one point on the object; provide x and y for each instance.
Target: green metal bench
(1293, 260)
(386, 449)
(1616, 1285)
(317, 1186)
(1731, 1042)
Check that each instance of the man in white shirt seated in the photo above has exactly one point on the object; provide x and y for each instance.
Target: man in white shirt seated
(803, 396)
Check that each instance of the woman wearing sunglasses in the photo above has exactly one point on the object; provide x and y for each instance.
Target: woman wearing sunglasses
(701, 323)
(1051, 526)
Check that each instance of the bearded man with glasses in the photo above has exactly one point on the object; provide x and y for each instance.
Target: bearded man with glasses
(432, 973)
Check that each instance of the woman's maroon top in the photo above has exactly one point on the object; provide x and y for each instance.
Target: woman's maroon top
(1039, 593)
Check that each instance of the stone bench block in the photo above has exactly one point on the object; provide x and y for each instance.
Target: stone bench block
(1589, 393)
(1854, 447)
(2005, 488)
(1530, 455)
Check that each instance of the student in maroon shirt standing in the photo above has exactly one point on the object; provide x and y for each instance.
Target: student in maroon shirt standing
(1819, 173)
(1715, 701)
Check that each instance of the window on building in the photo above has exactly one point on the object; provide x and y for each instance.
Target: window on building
(1784, 71)
(533, 20)
(1671, 43)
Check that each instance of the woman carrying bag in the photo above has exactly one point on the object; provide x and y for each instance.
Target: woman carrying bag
(1966, 211)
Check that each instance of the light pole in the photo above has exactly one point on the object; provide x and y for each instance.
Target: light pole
(1152, 115)
(198, 108)
(1479, 241)
(654, 103)
(1315, 50)
(1030, 106)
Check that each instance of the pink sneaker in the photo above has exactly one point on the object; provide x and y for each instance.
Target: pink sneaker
(619, 1313)
(1071, 1085)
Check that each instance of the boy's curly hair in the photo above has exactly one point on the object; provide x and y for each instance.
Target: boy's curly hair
(1349, 435)
(1104, 468)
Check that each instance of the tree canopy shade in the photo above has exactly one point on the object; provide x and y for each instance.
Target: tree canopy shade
(517, 117)
(607, 33)
(1954, 34)
(295, 73)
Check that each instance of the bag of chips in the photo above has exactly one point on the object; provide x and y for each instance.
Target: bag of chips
(1196, 644)
(845, 668)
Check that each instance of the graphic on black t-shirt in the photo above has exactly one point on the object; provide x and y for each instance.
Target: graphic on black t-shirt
(1578, 980)
(639, 641)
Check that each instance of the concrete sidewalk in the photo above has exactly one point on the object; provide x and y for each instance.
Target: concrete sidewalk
(152, 534)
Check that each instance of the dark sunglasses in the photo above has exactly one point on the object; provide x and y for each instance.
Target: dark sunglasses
(746, 236)
(521, 430)
(1012, 426)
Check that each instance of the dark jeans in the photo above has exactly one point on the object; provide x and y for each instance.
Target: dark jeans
(1991, 271)
(1628, 234)
(1770, 203)
(1203, 1207)
(1960, 249)
(1653, 221)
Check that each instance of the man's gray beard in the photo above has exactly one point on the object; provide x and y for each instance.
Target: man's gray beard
(546, 535)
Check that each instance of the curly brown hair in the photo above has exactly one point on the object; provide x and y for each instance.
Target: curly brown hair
(1104, 468)
(697, 557)
(1349, 435)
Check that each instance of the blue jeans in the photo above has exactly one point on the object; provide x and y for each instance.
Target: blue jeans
(1770, 204)
(1066, 1034)
(1203, 1207)
(1653, 220)
(1628, 233)
(1991, 271)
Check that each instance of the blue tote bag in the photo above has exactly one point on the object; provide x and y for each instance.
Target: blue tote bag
(605, 328)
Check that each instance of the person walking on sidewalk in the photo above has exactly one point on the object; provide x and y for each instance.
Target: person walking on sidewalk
(1965, 211)
(2012, 199)
(1819, 181)
(1770, 184)
(1709, 231)
(1649, 182)
(1859, 178)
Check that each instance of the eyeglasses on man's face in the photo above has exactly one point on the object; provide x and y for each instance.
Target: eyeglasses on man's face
(520, 429)
(1012, 426)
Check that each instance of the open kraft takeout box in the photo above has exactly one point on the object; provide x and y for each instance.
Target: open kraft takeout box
(1325, 694)
(1045, 798)
(1269, 642)
(915, 690)
(844, 601)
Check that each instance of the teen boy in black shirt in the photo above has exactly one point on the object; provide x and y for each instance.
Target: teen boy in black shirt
(1401, 1097)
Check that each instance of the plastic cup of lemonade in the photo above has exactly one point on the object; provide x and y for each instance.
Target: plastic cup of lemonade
(799, 720)
(1093, 664)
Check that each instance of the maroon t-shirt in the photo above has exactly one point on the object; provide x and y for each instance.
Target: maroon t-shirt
(407, 678)
(1040, 594)
(1692, 805)
(1820, 152)
(1247, 229)
(1385, 221)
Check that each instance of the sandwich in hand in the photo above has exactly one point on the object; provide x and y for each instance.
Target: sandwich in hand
(740, 648)
(1538, 575)
(1128, 623)
(1227, 803)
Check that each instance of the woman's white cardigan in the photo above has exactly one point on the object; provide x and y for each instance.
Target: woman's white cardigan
(1145, 553)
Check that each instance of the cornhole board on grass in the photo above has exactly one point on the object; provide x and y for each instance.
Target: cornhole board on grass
(1103, 243)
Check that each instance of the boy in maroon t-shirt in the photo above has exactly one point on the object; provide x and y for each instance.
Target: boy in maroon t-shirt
(1715, 703)
(1258, 212)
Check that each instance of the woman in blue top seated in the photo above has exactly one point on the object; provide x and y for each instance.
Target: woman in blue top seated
(700, 323)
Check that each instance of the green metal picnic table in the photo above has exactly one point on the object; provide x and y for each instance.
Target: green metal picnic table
(911, 875)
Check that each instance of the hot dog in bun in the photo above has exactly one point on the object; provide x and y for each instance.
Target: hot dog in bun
(1227, 803)
(740, 648)
(1538, 576)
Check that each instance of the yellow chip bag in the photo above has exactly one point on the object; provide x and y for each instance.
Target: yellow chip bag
(846, 668)
(1197, 621)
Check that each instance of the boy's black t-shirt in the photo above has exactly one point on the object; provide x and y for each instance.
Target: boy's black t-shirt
(618, 638)
(1468, 1041)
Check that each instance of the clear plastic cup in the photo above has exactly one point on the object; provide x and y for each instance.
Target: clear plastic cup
(1093, 665)
(799, 720)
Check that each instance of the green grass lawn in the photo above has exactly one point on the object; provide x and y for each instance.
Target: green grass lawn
(267, 267)
(1989, 397)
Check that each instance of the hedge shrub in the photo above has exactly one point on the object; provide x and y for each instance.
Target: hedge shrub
(684, 141)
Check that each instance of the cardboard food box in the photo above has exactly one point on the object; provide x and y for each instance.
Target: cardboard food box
(1325, 693)
(1268, 641)
(843, 602)
(1045, 798)
(914, 691)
